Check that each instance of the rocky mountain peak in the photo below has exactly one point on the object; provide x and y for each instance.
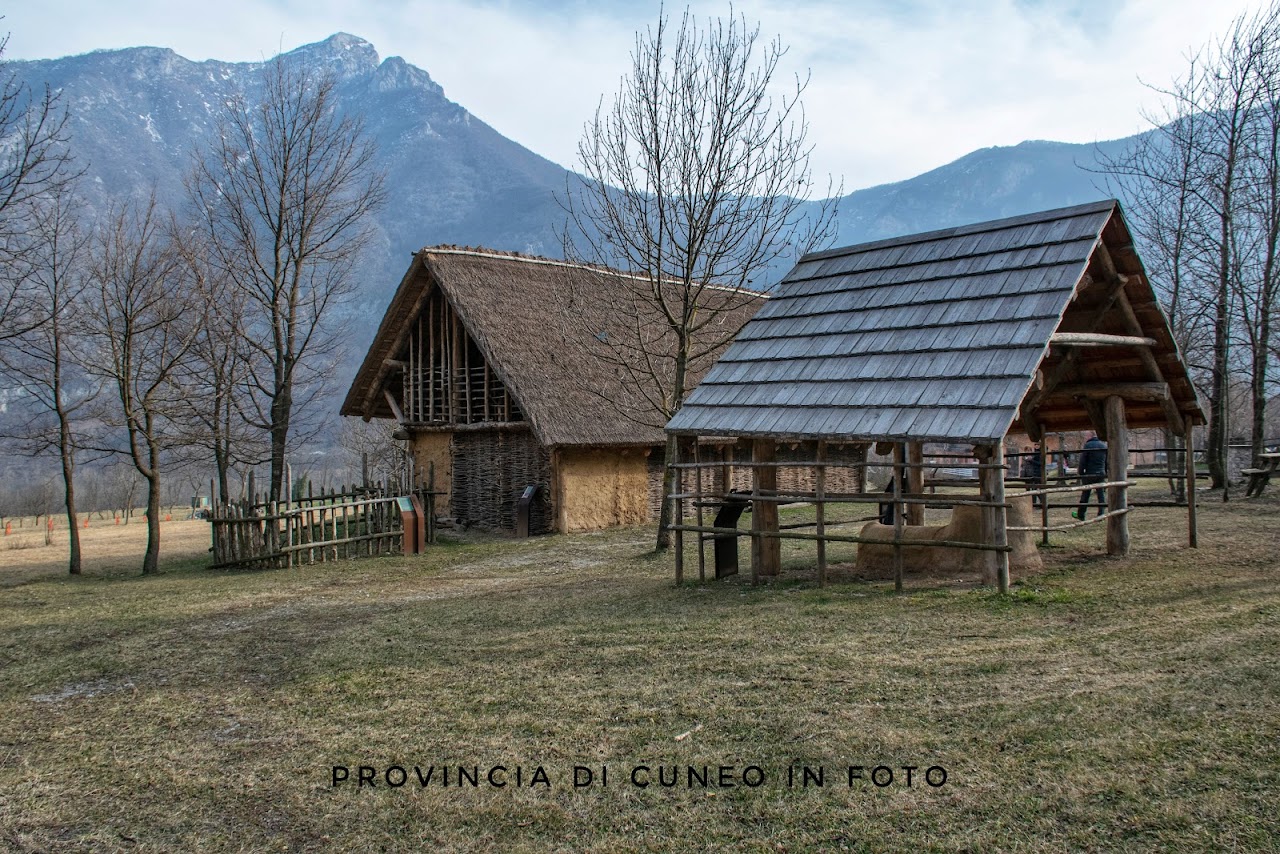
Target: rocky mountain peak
(344, 54)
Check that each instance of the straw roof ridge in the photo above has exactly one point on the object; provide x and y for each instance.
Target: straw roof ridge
(482, 252)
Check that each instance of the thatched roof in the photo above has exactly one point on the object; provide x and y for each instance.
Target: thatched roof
(953, 335)
(546, 328)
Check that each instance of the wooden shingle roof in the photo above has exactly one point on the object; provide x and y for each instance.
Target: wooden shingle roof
(940, 336)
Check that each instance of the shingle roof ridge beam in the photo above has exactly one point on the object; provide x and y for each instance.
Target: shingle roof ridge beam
(966, 230)
(501, 255)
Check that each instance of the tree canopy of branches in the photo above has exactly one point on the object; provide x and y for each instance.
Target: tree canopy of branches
(34, 163)
(1203, 191)
(284, 193)
(45, 364)
(696, 178)
(145, 327)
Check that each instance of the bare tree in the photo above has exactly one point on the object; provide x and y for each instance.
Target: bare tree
(145, 327)
(44, 365)
(696, 178)
(1196, 189)
(285, 192)
(372, 446)
(34, 162)
(215, 377)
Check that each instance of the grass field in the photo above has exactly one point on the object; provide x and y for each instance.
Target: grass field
(1117, 705)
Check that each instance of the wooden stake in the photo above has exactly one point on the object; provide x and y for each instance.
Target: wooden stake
(1117, 467)
(766, 552)
(915, 481)
(697, 503)
(1044, 499)
(677, 515)
(1189, 458)
(820, 493)
(899, 511)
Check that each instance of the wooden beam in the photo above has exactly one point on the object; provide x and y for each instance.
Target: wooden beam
(395, 407)
(1117, 468)
(820, 495)
(1128, 391)
(1167, 403)
(1045, 384)
(1193, 533)
(398, 343)
(1097, 418)
(915, 481)
(395, 364)
(1098, 339)
(994, 521)
(899, 473)
(766, 552)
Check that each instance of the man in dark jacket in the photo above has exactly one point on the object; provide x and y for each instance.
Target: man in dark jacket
(1093, 469)
(1032, 471)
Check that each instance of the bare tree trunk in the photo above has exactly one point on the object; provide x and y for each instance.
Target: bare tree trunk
(67, 452)
(151, 561)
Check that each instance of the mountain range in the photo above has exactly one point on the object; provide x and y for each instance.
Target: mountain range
(139, 114)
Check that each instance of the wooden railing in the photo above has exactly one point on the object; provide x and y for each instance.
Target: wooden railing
(313, 530)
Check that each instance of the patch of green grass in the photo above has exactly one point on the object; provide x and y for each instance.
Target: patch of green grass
(1103, 704)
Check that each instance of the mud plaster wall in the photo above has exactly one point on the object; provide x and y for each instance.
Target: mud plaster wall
(602, 488)
(434, 449)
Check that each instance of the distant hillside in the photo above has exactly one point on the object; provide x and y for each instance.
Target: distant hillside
(139, 114)
(987, 184)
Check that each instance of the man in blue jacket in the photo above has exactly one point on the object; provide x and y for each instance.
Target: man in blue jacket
(1093, 469)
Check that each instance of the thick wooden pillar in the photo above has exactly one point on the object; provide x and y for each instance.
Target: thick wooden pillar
(899, 514)
(1189, 458)
(994, 518)
(915, 482)
(820, 502)
(1043, 450)
(677, 508)
(766, 552)
(1117, 469)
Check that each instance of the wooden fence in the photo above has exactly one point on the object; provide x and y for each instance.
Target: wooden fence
(341, 525)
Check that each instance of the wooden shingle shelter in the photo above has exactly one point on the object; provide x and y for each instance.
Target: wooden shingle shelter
(490, 364)
(1043, 322)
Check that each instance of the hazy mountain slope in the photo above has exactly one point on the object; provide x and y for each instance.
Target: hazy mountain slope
(139, 114)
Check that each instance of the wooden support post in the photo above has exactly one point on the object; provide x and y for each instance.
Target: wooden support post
(994, 519)
(1117, 469)
(766, 552)
(697, 503)
(899, 511)
(915, 481)
(1044, 499)
(1189, 458)
(677, 510)
(820, 496)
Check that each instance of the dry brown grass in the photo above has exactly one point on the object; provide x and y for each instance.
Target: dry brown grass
(1105, 704)
(107, 548)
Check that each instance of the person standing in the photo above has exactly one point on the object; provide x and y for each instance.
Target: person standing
(1032, 472)
(1093, 469)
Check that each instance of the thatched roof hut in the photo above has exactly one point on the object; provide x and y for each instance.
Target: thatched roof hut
(504, 371)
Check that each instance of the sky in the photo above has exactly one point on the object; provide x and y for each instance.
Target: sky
(895, 88)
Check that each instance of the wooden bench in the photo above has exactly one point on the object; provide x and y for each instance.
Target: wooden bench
(1260, 477)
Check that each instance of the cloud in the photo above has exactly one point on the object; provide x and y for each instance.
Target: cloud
(896, 88)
